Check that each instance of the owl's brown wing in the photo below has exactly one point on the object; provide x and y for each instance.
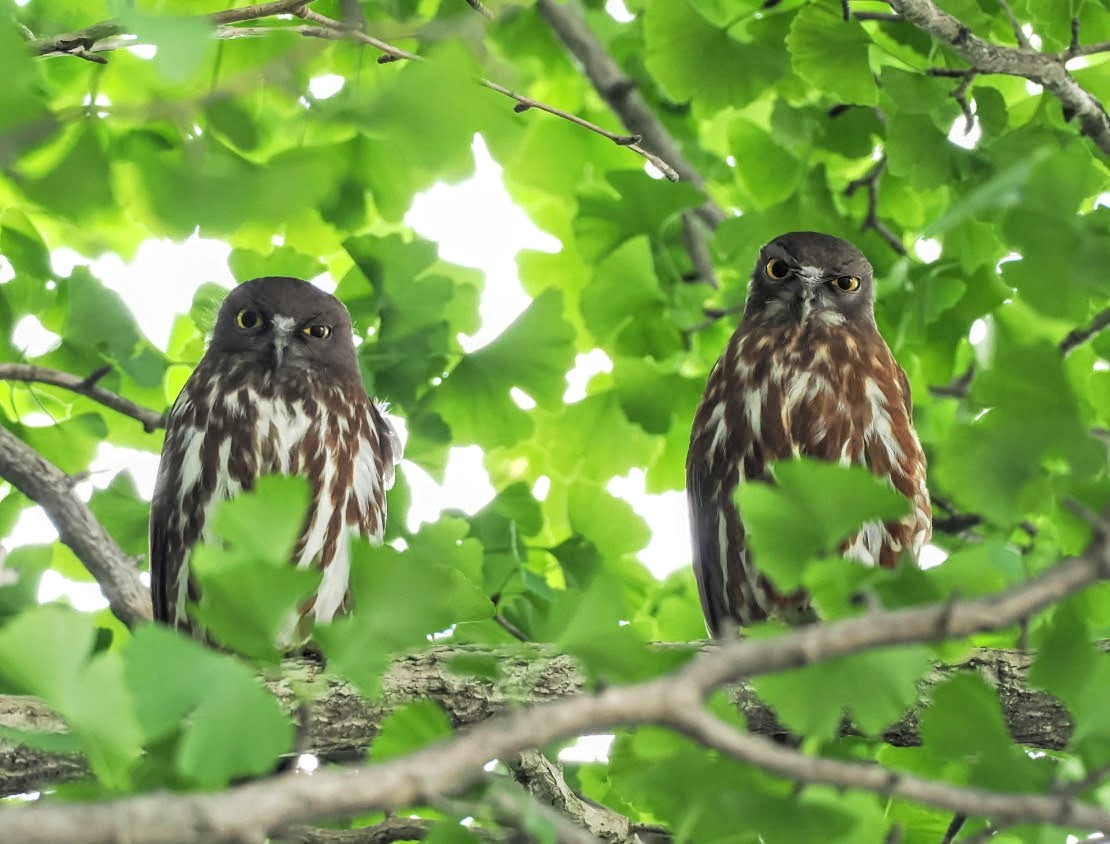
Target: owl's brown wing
(168, 523)
(166, 559)
(707, 521)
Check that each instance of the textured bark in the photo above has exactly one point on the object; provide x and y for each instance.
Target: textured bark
(342, 723)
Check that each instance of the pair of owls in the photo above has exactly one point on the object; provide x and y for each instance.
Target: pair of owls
(279, 391)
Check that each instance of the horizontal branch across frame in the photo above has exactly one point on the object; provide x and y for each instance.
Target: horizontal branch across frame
(248, 812)
(341, 725)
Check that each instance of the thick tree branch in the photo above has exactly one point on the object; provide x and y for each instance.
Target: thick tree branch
(247, 812)
(341, 724)
(1046, 69)
(42, 482)
(28, 373)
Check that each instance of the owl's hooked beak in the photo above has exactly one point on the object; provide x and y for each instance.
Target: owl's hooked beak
(809, 290)
(283, 332)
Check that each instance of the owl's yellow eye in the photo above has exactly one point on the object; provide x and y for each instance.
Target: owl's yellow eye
(847, 283)
(247, 319)
(320, 332)
(777, 269)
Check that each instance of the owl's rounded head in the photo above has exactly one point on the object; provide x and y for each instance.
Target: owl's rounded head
(288, 325)
(811, 277)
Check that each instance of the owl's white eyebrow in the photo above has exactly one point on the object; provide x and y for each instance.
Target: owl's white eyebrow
(284, 323)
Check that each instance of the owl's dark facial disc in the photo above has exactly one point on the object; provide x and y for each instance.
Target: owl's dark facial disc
(810, 277)
(288, 325)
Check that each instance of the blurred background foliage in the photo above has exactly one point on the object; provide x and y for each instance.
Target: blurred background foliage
(989, 232)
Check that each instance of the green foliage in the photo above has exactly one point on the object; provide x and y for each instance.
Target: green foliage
(783, 108)
(809, 511)
(249, 592)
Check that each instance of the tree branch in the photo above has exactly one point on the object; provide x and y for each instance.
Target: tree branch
(1046, 69)
(631, 142)
(870, 180)
(341, 724)
(619, 92)
(481, 8)
(42, 482)
(1079, 336)
(28, 373)
(959, 386)
(247, 812)
(106, 36)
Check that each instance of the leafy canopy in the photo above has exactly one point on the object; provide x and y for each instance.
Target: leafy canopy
(782, 108)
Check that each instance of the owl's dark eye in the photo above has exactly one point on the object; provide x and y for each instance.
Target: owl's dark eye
(847, 283)
(320, 332)
(777, 269)
(247, 319)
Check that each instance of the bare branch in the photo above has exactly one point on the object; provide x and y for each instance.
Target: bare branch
(1080, 336)
(620, 93)
(959, 93)
(105, 36)
(959, 386)
(544, 780)
(28, 373)
(886, 17)
(258, 10)
(631, 142)
(510, 628)
(390, 830)
(1076, 49)
(340, 724)
(1015, 25)
(481, 8)
(870, 180)
(1045, 69)
(42, 482)
(395, 53)
(249, 811)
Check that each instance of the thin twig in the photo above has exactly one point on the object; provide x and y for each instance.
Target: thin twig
(1076, 49)
(510, 628)
(878, 16)
(387, 49)
(954, 828)
(1079, 336)
(1015, 25)
(631, 142)
(620, 93)
(870, 180)
(481, 8)
(28, 373)
(259, 10)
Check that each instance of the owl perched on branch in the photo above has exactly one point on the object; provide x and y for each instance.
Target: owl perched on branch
(805, 373)
(277, 392)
